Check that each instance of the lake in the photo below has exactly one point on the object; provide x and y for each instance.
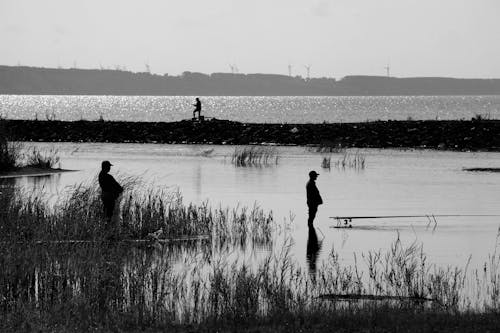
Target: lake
(254, 109)
(393, 182)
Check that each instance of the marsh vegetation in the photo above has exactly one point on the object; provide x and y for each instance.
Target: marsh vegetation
(14, 155)
(255, 156)
(349, 160)
(103, 286)
(205, 283)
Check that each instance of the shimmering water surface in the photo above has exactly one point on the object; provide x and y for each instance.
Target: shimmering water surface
(394, 182)
(278, 109)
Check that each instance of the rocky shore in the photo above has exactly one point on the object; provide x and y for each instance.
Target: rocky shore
(474, 135)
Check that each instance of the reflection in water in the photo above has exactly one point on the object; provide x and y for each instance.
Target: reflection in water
(50, 183)
(7, 189)
(7, 182)
(197, 180)
(313, 249)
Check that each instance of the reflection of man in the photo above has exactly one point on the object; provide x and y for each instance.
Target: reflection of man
(313, 197)
(313, 248)
(110, 190)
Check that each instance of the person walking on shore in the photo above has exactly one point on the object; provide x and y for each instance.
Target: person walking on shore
(197, 108)
(313, 197)
(110, 191)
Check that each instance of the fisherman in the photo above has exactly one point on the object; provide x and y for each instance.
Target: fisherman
(313, 197)
(110, 191)
(197, 109)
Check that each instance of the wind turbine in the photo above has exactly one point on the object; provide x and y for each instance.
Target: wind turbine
(388, 70)
(289, 70)
(233, 68)
(308, 69)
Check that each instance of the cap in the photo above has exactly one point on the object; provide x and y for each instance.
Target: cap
(106, 163)
(313, 173)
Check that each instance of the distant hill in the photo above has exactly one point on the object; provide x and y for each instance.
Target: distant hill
(50, 81)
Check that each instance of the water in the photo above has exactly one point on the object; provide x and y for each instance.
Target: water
(394, 182)
(291, 109)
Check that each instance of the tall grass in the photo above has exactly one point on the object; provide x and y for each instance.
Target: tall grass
(352, 161)
(328, 147)
(326, 162)
(13, 155)
(43, 159)
(255, 156)
(78, 216)
(115, 287)
(10, 152)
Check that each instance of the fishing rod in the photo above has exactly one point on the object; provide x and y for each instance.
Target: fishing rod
(431, 217)
(411, 216)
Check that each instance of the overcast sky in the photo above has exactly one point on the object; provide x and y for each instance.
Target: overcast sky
(455, 38)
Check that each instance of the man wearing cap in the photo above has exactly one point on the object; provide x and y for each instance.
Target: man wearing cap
(313, 197)
(110, 190)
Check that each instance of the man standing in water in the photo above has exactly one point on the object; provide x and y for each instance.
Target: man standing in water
(197, 109)
(110, 191)
(313, 197)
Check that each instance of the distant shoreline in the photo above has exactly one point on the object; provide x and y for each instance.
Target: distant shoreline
(458, 135)
(23, 80)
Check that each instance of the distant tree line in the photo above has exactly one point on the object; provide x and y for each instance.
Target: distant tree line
(51, 81)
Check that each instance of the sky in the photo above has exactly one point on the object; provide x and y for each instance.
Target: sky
(414, 38)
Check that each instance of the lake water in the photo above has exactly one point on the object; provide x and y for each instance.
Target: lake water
(280, 109)
(393, 182)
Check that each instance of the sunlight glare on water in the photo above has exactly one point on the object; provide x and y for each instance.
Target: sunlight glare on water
(257, 109)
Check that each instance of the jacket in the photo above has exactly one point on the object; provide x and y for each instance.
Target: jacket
(313, 196)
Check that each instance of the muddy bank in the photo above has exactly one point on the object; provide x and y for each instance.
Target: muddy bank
(450, 135)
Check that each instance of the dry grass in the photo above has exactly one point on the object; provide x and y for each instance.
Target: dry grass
(142, 210)
(115, 287)
(255, 156)
(351, 160)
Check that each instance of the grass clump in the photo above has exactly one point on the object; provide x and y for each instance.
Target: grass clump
(255, 156)
(10, 152)
(47, 159)
(352, 161)
(12, 155)
(326, 162)
(333, 147)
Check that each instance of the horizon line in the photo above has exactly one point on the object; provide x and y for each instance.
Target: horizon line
(124, 69)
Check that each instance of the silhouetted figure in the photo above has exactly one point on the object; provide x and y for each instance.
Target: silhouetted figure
(313, 197)
(313, 248)
(110, 190)
(197, 109)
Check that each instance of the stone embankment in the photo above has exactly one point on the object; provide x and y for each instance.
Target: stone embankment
(451, 135)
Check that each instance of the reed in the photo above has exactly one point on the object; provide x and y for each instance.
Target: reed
(114, 288)
(326, 162)
(351, 160)
(13, 155)
(255, 156)
(10, 152)
(43, 159)
(142, 211)
(328, 147)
